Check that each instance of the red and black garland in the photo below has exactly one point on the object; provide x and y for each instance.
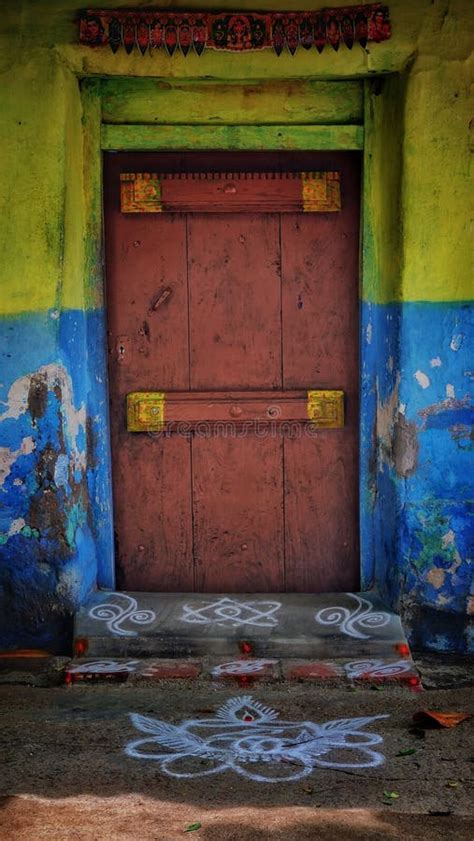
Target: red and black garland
(235, 31)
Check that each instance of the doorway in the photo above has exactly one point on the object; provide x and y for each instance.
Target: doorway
(234, 316)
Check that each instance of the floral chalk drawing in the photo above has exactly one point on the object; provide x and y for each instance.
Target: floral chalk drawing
(232, 613)
(248, 737)
(350, 622)
(114, 615)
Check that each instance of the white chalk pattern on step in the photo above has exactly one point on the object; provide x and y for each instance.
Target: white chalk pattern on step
(351, 622)
(114, 615)
(232, 613)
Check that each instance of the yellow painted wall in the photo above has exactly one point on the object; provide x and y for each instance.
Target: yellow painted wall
(420, 248)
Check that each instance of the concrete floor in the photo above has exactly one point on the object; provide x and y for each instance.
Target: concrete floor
(66, 775)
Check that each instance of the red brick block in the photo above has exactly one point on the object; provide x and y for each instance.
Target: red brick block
(99, 670)
(245, 671)
(168, 670)
(312, 671)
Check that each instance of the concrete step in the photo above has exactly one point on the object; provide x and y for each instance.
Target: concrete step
(324, 626)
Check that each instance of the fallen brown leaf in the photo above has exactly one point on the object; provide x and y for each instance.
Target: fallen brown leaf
(432, 718)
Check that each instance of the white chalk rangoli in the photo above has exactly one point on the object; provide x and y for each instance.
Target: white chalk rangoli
(241, 667)
(377, 668)
(350, 622)
(103, 667)
(114, 615)
(247, 737)
(232, 613)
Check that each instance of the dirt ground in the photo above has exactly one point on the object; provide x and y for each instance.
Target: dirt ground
(66, 774)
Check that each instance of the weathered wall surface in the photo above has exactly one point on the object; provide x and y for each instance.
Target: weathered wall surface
(55, 525)
(418, 337)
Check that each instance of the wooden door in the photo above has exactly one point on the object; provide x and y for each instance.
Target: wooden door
(234, 315)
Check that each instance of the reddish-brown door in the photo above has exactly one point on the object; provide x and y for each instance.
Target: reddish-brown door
(234, 315)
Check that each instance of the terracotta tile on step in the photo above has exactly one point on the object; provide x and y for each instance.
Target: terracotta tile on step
(245, 671)
(168, 670)
(314, 670)
(95, 669)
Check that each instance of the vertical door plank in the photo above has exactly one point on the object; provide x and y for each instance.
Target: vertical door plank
(320, 301)
(238, 522)
(146, 258)
(321, 512)
(234, 283)
(320, 350)
(148, 350)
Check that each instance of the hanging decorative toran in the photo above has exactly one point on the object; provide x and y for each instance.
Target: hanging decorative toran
(185, 32)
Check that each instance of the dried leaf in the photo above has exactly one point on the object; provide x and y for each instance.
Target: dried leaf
(452, 783)
(432, 718)
(193, 826)
(308, 789)
(407, 752)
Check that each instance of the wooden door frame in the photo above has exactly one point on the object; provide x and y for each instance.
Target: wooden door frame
(99, 137)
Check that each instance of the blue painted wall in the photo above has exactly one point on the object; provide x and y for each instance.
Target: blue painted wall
(55, 513)
(418, 480)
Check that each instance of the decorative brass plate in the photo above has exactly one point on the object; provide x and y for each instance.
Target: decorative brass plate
(326, 409)
(145, 411)
(140, 192)
(321, 192)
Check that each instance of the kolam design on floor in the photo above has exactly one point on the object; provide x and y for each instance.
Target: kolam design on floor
(363, 616)
(114, 615)
(248, 737)
(103, 667)
(232, 613)
(236, 668)
(375, 669)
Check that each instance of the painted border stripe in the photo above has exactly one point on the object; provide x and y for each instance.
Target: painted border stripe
(124, 138)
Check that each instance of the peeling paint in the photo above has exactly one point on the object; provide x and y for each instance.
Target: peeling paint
(8, 457)
(457, 341)
(422, 379)
(405, 446)
(397, 437)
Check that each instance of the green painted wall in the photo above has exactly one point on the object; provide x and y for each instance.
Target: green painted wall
(421, 142)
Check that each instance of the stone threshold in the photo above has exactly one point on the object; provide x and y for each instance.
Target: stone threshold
(316, 627)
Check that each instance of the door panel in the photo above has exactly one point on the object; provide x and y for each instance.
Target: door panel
(238, 523)
(320, 325)
(235, 316)
(234, 294)
(145, 261)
